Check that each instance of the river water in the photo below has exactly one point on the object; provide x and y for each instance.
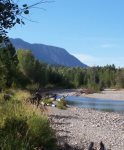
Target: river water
(97, 104)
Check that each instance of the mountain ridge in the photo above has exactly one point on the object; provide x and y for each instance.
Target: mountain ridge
(49, 54)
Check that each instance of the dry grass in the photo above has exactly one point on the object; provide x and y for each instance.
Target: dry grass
(17, 113)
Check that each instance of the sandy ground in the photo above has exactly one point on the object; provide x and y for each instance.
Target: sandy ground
(106, 94)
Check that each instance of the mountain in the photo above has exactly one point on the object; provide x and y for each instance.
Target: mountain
(49, 54)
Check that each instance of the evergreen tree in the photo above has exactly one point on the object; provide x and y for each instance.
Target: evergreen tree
(9, 61)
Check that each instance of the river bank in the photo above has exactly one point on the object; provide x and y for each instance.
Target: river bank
(107, 94)
(78, 127)
(112, 94)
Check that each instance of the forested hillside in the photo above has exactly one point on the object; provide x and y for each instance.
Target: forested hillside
(21, 69)
(49, 54)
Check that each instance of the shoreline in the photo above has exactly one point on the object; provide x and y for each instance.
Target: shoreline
(80, 126)
(107, 94)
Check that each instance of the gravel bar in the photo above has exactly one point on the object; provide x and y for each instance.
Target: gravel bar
(79, 126)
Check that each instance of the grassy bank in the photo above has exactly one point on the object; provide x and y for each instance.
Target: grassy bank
(22, 125)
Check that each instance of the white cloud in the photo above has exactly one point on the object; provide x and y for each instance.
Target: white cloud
(84, 57)
(87, 59)
(100, 61)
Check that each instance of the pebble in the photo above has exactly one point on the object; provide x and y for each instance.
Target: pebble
(79, 127)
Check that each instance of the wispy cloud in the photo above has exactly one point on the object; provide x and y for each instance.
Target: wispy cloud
(100, 61)
(84, 57)
(107, 46)
(87, 59)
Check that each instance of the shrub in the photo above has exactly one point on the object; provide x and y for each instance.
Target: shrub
(23, 126)
(62, 104)
(32, 87)
(16, 126)
(50, 86)
(20, 133)
(48, 101)
(41, 134)
(13, 134)
(9, 91)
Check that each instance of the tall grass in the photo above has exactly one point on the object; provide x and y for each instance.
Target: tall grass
(23, 126)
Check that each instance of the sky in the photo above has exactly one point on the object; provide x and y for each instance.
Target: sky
(91, 30)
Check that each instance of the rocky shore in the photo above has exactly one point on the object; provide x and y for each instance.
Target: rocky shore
(78, 127)
(112, 94)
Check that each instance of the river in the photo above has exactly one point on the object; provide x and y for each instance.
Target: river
(97, 104)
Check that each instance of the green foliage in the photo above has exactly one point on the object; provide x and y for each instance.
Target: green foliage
(24, 127)
(31, 68)
(13, 134)
(25, 71)
(120, 78)
(3, 79)
(20, 133)
(62, 104)
(41, 134)
(49, 86)
(48, 101)
(32, 87)
(8, 65)
(10, 15)
(95, 78)
(26, 62)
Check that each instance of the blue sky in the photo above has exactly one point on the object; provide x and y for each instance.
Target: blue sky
(92, 30)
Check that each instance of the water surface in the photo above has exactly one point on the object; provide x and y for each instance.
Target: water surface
(97, 104)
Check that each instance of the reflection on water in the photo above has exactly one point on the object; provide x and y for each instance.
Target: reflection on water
(98, 104)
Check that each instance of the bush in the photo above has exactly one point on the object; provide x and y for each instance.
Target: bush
(16, 125)
(23, 126)
(9, 91)
(62, 104)
(50, 86)
(19, 133)
(32, 87)
(13, 134)
(41, 134)
(48, 101)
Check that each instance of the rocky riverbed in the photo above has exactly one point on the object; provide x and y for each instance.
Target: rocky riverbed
(78, 127)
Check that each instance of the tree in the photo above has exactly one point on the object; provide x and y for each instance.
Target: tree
(2, 75)
(26, 62)
(10, 15)
(8, 65)
(120, 78)
(31, 68)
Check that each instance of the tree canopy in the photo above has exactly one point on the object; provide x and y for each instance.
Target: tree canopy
(11, 13)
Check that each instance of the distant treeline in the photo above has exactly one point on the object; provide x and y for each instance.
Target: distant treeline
(21, 69)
